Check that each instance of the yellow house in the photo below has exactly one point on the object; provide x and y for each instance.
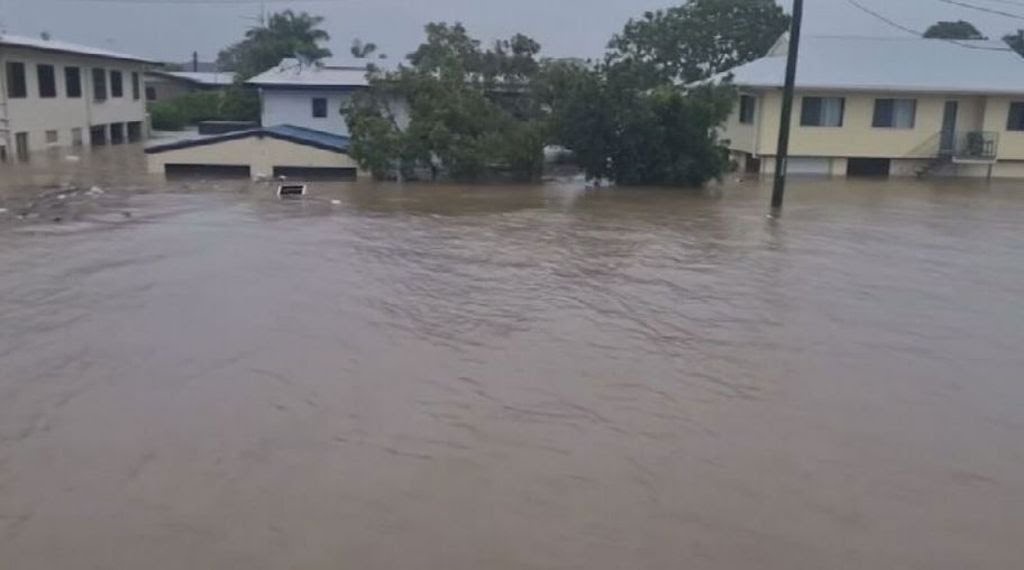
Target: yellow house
(893, 106)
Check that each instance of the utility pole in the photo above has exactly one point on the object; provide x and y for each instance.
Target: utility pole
(782, 152)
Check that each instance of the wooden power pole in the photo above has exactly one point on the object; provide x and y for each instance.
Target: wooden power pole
(782, 152)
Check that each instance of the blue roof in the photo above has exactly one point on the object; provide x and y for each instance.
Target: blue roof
(291, 133)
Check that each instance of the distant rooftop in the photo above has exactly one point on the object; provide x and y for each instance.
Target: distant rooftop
(210, 79)
(65, 47)
(327, 73)
(892, 64)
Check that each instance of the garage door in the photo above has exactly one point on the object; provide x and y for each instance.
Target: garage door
(809, 166)
(206, 171)
(314, 173)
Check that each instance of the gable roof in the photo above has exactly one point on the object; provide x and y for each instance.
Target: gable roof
(891, 64)
(290, 133)
(66, 47)
(294, 74)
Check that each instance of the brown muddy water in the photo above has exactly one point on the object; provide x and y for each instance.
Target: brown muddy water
(438, 377)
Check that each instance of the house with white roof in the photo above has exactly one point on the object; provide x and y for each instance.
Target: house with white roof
(58, 94)
(309, 95)
(872, 106)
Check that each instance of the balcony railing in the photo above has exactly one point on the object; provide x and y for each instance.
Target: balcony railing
(981, 146)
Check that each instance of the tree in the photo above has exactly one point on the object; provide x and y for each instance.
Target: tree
(1015, 41)
(469, 111)
(959, 30)
(361, 50)
(696, 40)
(665, 135)
(286, 34)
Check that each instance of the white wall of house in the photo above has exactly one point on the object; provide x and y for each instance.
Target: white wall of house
(59, 121)
(295, 107)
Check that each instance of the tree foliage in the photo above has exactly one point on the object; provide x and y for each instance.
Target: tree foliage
(1015, 41)
(285, 34)
(234, 104)
(698, 39)
(467, 111)
(664, 135)
(959, 30)
(455, 108)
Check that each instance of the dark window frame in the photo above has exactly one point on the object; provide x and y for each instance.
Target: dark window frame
(1015, 117)
(17, 80)
(99, 84)
(73, 82)
(811, 109)
(136, 90)
(319, 107)
(150, 93)
(748, 109)
(116, 84)
(46, 80)
(884, 115)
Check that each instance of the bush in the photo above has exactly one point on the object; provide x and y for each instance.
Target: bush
(166, 117)
(234, 104)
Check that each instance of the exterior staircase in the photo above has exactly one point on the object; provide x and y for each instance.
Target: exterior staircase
(951, 150)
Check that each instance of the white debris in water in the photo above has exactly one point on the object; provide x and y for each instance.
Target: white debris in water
(95, 191)
(72, 158)
(336, 202)
(3, 210)
(62, 196)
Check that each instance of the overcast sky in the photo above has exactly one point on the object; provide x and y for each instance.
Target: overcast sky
(170, 31)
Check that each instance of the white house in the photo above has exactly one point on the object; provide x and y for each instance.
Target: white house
(58, 94)
(309, 95)
(892, 106)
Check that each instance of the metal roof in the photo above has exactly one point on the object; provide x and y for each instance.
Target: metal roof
(292, 73)
(891, 64)
(209, 78)
(66, 47)
(298, 135)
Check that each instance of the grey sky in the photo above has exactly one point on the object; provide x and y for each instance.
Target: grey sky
(170, 31)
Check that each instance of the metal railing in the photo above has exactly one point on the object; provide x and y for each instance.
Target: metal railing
(971, 145)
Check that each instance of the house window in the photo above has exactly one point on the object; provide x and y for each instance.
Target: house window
(116, 84)
(895, 113)
(99, 84)
(1016, 120)
(47, 81)
(76, 137)
(135, 85)
(822, 111)
(150, 93)
(52, 137)
(748, 106)
(319, 108)
(73, 82)
(17, 88)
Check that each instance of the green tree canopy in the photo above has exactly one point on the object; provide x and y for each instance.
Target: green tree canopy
(698, 39)
(959, 30)
(468, 110)
(285, 34)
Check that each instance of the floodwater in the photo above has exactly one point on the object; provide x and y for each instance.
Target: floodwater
(438, 377)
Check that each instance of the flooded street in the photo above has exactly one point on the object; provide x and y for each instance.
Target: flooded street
(464, 378)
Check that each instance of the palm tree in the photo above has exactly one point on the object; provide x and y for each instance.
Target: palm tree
(286, 34)
(362, 50)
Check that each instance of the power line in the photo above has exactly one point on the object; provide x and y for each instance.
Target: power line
(983, 9)
(218, 2)
(917, 33)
